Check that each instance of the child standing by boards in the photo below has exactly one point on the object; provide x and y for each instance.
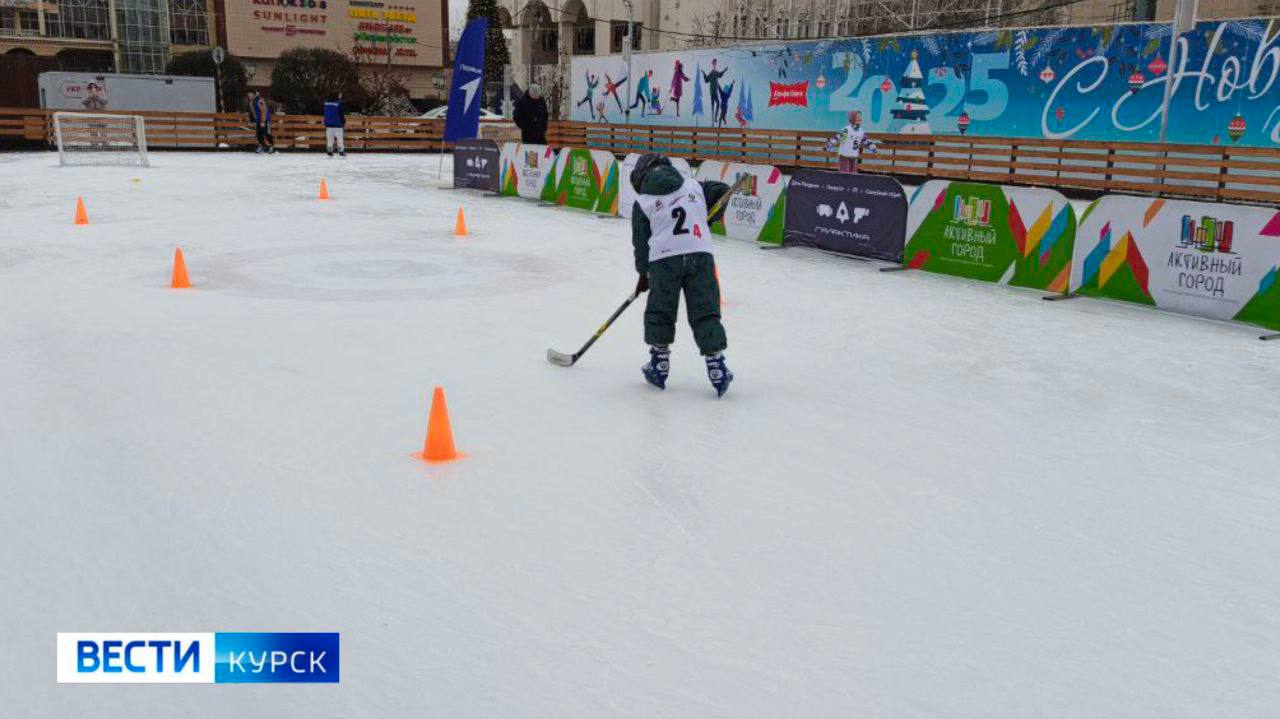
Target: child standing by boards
(671, 235)
(850, 143)
(335, 123)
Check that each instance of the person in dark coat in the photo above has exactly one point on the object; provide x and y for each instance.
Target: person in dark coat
(530, 116)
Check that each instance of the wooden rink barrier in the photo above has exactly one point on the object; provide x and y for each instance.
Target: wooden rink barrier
(1213, 172)
(1207, 172)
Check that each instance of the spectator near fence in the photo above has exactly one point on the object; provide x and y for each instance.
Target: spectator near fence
(531, 116)
(260, 114)
(335, 122)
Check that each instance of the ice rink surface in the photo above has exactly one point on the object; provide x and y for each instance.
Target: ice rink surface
(923, 497)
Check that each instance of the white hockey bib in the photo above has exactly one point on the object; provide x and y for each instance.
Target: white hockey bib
(678, 222)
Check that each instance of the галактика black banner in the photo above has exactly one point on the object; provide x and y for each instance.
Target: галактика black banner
(861, 215)
(475, 165)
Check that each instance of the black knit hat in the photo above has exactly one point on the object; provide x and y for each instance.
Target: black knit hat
(646, 163)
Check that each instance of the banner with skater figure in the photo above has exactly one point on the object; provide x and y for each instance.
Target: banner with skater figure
(527, 171)
(1200, 258)
(1017, 236)
(587, 180)
(1099, 82)
(756, 212)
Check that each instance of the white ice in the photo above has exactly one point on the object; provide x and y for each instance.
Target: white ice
(923, 497)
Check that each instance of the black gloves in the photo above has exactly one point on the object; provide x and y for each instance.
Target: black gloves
(642, 286)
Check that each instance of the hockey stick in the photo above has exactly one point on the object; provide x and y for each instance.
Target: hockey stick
(567, 360)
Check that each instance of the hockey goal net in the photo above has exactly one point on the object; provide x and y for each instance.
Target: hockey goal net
(95, 139)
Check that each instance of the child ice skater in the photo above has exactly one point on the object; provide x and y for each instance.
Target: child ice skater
(850, 143)
(671, 235)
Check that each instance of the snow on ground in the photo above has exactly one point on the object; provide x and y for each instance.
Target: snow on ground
(923, 497)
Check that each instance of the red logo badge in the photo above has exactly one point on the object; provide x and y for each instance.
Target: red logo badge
(796, 93)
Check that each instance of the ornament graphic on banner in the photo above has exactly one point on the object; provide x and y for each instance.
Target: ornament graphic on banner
(1136, 81)
(1235, 128)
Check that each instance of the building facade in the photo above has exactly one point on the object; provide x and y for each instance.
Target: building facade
(542, 32)
(135, 36)
(407, 37)
(410, 37)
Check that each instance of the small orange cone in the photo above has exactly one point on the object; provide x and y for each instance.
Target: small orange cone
(82, 217)
(460, 224)
(180, 279)
(439, 446)
(324, 190)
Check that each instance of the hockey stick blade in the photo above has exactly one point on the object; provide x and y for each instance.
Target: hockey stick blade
(565, 360)
(560, 358)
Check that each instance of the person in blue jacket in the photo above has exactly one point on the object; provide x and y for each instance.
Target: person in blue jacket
(260, 113)
(335, 119)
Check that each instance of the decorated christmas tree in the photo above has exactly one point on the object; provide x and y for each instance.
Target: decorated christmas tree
(495, 43)
(910, 104)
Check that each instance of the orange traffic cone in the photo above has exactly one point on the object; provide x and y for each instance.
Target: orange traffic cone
(439, 446)
(180, 280)
(324, 190)
(82, 217)
(460, 224)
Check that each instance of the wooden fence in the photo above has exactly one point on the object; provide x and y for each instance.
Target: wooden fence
(1212, 172)
(200, 130)
(1200, 171)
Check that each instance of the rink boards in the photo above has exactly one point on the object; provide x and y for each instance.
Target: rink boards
(1212, 260)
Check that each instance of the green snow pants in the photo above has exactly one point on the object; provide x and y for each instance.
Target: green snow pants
(695, 274)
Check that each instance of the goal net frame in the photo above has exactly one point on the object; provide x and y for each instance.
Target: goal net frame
(100, 139)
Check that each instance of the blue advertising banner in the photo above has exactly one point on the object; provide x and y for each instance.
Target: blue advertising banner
(463, 119)
(1084, 83)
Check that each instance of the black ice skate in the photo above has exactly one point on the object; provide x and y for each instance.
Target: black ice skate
(719, 374)
(655, 373)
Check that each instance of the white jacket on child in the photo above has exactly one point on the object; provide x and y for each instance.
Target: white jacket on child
(850, 141)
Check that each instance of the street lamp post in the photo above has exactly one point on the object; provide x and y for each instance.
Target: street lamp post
(1184, 20)
(626, 51)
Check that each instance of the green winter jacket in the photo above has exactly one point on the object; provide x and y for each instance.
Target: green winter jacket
(663, 180)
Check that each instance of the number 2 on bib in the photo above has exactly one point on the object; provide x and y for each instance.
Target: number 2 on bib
(680, 216)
